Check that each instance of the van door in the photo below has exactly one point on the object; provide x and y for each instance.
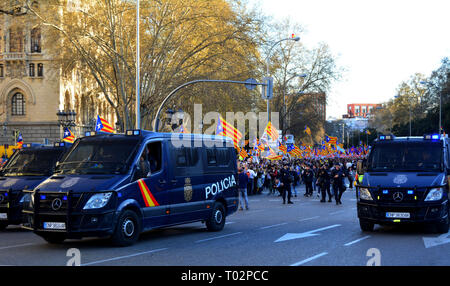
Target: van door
(151, 184)
(186, 195)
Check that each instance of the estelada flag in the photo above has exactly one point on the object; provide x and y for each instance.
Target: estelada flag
(307, 130)
(271, 131)
(68, 136)
(225, 129)
(103, 125)
(19, 140)
(243, 153)
(282, 147)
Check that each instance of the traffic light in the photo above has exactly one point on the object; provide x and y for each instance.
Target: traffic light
(267, 90)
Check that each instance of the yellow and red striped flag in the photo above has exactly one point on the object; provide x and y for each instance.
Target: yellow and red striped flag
(225, 129)
(243, 153)
(271, 131)
(103, 125)
(68, 136)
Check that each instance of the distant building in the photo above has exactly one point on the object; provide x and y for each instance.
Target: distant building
(364, 110)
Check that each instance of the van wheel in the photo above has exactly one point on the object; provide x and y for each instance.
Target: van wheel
(127, 229)
(366, 225)
(54, 238)
(3, 225)
(443, 227)
(216, 221)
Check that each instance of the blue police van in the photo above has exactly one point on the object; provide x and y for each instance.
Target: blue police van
(405, 180)
(26, 168)
(119, 185)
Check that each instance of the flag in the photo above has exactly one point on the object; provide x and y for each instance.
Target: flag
(243, 153)
(274, 157)
(68, 136)
(281, 147)
(295, 151)
(272, 152)
(103, 125)
(19, 140)
(307, 130)
(331, 140)
(271, 131)
(225, 129)
(367, 132)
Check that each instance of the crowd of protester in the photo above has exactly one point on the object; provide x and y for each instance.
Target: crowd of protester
(324, 178)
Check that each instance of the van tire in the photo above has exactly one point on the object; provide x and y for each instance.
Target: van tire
(3, 225)
(54, 238)
(443, 226)
(127, 229)
(366, 225)
(216, 221)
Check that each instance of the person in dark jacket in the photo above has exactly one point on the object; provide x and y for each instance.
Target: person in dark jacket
(286, 184)
(323, 181)
(308, 178)
(243, 182)
(337, 175)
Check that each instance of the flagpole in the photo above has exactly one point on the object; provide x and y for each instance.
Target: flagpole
(138, 100)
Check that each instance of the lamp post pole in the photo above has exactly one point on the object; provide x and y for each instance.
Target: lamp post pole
(138, 100)
(267, 67)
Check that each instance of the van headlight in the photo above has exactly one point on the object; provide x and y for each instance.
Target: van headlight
(26, 198)
(364, 194)
(98, 201)
(434, 194)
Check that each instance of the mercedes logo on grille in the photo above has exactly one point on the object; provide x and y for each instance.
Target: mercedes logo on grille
(2, 198)
(398, 196)
(56, 204)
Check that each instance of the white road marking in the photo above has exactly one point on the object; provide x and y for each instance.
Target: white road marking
(309, 259)
(355, 241)
(337, 212)
(434, 241)
(309, 218)
(274, 225)
(19, 245)
(123, 257)
(217, 237)
(230, 222)
(290, 236)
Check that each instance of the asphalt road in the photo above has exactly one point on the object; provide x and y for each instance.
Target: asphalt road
(305, 233)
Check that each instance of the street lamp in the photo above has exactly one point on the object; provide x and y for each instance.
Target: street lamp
(66, 118)
(440, 105)
(267, 65)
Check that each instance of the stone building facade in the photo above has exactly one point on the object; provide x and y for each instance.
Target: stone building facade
(33, 87)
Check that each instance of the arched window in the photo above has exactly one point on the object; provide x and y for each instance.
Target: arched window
(40, 70)
(18, 104)
(16, 40)
(31, 67)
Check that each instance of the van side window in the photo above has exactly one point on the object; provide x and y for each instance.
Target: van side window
(211, 157)
(154, 156)
(181, 159)
(223, 156)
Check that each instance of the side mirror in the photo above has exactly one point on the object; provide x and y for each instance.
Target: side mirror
(360, 167)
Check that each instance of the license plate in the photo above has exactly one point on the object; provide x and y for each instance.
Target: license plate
(3, 216)
(54, 225)
(398, 215)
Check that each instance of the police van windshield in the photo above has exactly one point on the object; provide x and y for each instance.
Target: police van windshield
(32, 162)
(406, 156)
(99, 156)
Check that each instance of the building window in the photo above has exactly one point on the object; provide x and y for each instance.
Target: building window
(31, 68)
(18, 104)
(2, 71)
(40, 70)
(364, 110)
(36, 40)
(370, 109)
(15, 40)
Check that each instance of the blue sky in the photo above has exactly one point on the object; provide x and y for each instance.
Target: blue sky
(380, 43)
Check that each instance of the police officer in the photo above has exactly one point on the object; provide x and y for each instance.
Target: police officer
(323, 181)
(286, 184)
(308, 178)
(337, 175)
